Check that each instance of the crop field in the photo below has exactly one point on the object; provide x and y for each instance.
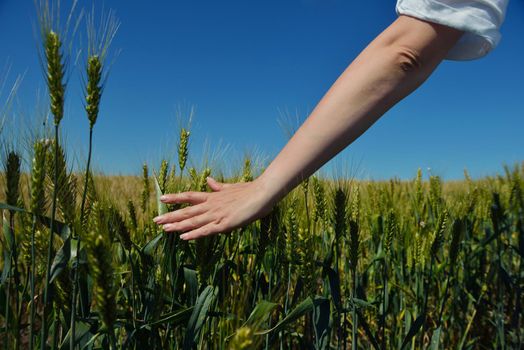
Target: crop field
(337, 264)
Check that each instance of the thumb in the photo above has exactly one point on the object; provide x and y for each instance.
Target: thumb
(214, 184)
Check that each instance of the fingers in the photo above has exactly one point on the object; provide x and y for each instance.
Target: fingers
(215, 185)
(203, 231)
(179, 215)
(184, 197)
(188, 224)
(208, 213)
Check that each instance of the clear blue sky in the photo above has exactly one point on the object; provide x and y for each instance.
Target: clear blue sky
(243, 64)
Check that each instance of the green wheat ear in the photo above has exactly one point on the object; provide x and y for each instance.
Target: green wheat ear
(307, 260)
(409, 257)
(435, 193)
(55, 74)
(146, 188)
(419, 193)
(418, 256)
(66, 186)
(132, 214)
(193, 175)
(162, 176)
(62, 291)
(118, 226)
(516, 198)
(355, 204)
(243, 339)
(354, 243)
(171, 180)
(391, 231)
(101, 267)
(100, 34)
(94, 88)
(456, 236)
(304, 185)
(340, 212)
(91, 197)
(269, 231)
(438, 236)
(202, 183)
(38, 178)
(319, 197)
(12, 172)
(183, 149)
(247, 173)
(291, 221)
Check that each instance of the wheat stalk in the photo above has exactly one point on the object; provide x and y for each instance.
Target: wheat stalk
(55, 81)
(37, 208)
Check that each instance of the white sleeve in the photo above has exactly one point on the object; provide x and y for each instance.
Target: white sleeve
(479, 19)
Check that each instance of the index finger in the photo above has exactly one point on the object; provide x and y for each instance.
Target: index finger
(184, 197)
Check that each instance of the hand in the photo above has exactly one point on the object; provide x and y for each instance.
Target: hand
(229, 206)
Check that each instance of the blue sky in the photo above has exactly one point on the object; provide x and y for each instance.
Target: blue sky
(246, 65)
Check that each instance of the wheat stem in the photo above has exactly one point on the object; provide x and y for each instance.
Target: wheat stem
(43, 339)
(76, 275)
(33, 308)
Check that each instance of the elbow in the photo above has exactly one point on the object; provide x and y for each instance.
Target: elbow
(409, 64)
(418, 46)
(407, 60)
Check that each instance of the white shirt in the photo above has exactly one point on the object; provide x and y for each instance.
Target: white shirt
(479, 19)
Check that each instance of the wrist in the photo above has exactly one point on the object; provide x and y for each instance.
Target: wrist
(270, 188)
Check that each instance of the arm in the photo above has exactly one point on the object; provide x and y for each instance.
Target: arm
(398, 61)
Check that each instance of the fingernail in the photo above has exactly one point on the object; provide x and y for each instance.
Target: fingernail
(156, 219)
(166, 227)
(184, 237)
(163, 198)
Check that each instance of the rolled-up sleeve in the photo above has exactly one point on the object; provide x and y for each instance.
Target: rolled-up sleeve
(479, 19)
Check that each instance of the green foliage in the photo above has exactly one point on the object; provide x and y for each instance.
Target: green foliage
(280, 277)
(393, 264)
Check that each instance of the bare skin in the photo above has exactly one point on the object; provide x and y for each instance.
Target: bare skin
(392, 66)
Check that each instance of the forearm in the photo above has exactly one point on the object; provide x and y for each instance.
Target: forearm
(392, 66)
(389, 69)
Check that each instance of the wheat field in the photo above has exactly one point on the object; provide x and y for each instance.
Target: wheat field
(338, 263)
